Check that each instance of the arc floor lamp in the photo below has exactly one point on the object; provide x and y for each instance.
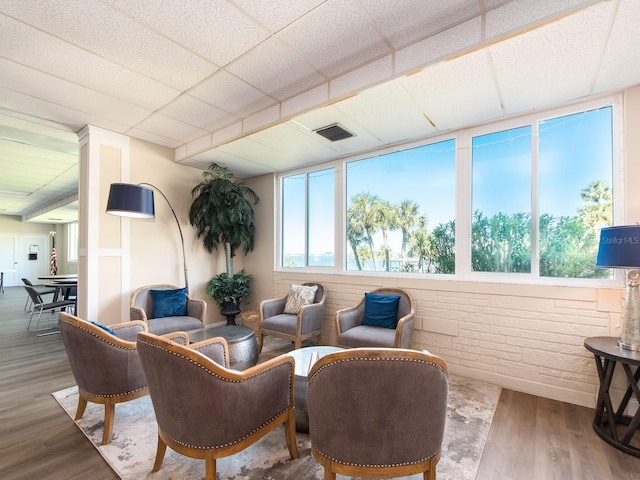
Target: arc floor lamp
(136, 201)
(620, 248)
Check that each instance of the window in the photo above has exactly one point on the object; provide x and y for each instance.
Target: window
(72, 242)
(574, 165)
(401, 210)
(308, 219)
(524, 198)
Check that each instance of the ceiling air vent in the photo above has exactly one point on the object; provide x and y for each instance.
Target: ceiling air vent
(334, 132)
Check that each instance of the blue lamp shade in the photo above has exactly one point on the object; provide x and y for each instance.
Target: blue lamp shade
(619, 247)
(128, 200)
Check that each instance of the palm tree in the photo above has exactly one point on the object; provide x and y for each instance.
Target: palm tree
(597, 213)
(364, 215)
(408, 221)
(355, 235)
(222, 213)
(387, 219)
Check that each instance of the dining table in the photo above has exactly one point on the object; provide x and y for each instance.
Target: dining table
(66, 286)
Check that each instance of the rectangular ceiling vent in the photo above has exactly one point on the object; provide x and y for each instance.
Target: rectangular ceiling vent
(334, 132)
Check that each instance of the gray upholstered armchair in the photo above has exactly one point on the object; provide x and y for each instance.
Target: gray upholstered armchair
(351, 332)
(305, 323)
(194, 394)
(142, 308)
(391, 425)
(106, 367)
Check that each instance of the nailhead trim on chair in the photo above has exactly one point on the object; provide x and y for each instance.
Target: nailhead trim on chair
(101, 338)
(228, 380)
(439, 367)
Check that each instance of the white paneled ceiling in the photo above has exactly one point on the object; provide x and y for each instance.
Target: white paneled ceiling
(246, 82)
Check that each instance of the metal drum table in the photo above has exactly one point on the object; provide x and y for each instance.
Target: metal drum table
(242, 342)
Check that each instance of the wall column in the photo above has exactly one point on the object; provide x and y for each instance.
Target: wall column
(103, 253)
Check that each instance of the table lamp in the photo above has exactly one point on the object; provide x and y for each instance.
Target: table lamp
(136, 201)
(620, 248)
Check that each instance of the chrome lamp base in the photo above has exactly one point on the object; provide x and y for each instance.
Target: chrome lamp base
(630, 336)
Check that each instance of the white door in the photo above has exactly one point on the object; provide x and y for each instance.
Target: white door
(8, 260)
(33, 257)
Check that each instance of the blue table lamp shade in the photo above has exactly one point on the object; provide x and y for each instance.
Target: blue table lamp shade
(128, 200)
(620, 248)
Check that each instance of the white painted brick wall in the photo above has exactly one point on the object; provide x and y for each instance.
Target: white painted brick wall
(524, 337)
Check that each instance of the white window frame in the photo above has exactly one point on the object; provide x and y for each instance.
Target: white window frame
(464, 201)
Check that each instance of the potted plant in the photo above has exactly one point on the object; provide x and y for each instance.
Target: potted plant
(229, 291)
(222, 214)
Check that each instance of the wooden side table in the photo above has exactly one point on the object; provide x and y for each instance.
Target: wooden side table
(612, 425)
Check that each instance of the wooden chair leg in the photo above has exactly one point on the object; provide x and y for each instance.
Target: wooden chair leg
(290, 434)
(319, 339)
(209, 466)
(328, 474)
(260, 342)
(82, 405)
(431, 473)
(160, 451)
(298, 343)
(109, 414)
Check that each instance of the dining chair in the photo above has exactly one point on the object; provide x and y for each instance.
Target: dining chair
(39, 306)
(41, 291)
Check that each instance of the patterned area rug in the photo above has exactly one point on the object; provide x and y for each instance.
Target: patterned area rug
(132, 449)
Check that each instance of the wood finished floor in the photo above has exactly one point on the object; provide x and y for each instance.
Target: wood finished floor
(531, 438)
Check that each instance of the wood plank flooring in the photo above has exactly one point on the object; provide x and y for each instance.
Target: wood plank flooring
(531, 438)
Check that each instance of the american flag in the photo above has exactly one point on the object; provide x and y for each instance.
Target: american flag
(54, 264)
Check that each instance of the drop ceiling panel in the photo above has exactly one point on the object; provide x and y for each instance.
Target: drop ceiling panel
(277, 15)
(336, 37)
(241, 167)
(411, 20)
(194, 111)
(41, 85)
(211, 28)
(79, 66)
(622, 49)
(387, 112)
(457, 93)
(296, 144)
(258, 154)
(554, 71)
(90, 24)
(153, 138)
(171, 128)
(232, 95)
(276, 69)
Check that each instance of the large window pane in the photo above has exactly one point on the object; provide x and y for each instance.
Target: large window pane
(308, 219)
(401, 210)
(501, 201)
(294, 205)
(575, 171)
(321, 215)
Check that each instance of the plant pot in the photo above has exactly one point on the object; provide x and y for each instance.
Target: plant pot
(230, 310)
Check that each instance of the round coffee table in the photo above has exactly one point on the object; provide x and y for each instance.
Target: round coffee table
(242, 342)
(302, 357)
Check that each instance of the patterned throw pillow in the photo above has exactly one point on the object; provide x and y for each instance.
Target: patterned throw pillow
(299, 296)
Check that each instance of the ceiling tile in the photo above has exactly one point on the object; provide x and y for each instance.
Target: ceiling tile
(41, 85)
(439, 47)
(556, 71)
(90, 24)
(277, 15)
(456, 94)
(622, 49)
(195, 112)
(79, 66)
(153, 138)
(170, 128)
(276, 70)
(232, 95)
(214, 29)
(241, 167)
(336, 37)
(365, 76)
(410, 20)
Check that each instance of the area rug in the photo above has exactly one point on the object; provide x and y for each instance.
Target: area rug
(132, 449)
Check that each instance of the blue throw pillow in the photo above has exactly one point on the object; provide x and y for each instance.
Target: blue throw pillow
(381, 310)
(105, 328)
(168, 303)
